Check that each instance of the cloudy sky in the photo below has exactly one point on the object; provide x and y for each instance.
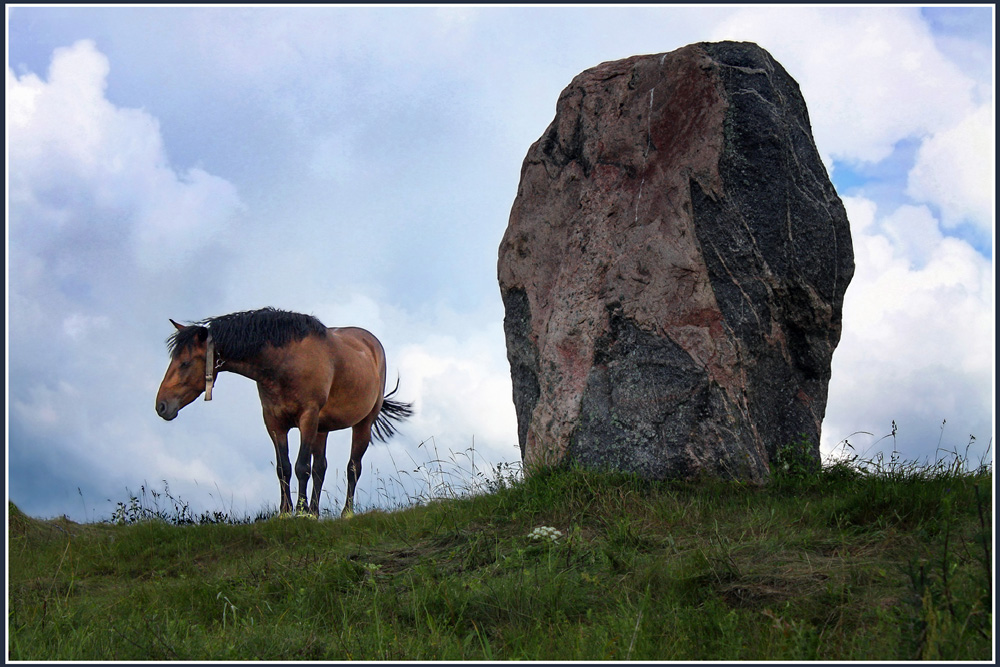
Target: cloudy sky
(359, 164)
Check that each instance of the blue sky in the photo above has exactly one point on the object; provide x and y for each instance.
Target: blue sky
(360, 163)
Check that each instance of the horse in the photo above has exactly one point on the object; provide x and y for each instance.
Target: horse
(308, 376)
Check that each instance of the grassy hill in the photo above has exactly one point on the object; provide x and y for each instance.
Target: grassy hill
(883, 561)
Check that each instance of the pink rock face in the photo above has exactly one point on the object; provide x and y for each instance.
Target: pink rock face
(619, 243)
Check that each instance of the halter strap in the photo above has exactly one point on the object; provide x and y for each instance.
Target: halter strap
(209, 367)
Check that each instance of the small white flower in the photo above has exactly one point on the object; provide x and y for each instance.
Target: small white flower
(545, 533)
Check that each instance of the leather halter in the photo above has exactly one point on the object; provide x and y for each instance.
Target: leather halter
(209, 367)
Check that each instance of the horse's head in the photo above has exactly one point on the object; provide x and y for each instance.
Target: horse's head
(184, 380)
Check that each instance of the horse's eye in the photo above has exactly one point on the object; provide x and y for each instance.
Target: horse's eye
(185, 365)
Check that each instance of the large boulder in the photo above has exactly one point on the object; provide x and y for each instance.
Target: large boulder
(674, 269)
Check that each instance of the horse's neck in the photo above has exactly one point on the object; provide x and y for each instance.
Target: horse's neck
(257, 369)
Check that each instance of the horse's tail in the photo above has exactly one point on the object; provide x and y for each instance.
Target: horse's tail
(392, 411)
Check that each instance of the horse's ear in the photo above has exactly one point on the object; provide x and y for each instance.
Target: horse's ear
(178, 326)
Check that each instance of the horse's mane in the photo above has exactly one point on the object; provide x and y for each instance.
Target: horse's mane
(242, 335)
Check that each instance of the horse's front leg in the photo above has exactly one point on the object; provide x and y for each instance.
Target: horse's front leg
(308, 423)
(283, 465)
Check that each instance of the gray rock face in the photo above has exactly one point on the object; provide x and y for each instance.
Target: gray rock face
(674, 269)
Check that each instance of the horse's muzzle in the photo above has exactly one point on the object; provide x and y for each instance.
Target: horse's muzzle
(167, 409)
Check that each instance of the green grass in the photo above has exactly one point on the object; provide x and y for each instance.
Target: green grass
(873, 561)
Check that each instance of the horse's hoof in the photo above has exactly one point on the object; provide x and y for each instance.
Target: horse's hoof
(347, 514)
(286, 515)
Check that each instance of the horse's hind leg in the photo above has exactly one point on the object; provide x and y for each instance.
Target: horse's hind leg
(303, 468)
(318, 469)
(360, 439)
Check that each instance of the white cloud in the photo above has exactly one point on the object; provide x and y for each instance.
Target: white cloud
(462, 386)
(955, 171)
(82, 162)
(918, 338)
(333, 157)
(870, 77)
(94, 210)
(44, 409)
(77, 326)
(913, 233)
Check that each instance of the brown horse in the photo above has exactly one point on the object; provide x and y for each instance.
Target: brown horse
(308, 376)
